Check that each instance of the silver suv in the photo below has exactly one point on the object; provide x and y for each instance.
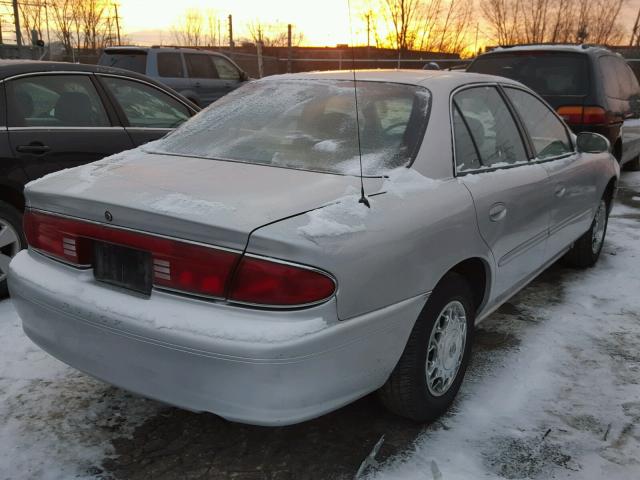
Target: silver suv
(202, 76)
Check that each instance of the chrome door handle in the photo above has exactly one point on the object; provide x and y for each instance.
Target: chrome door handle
(560, 191)
(498, 212)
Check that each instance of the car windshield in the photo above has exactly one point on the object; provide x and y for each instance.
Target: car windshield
(128, 60)
(308, 125)
(548, 73)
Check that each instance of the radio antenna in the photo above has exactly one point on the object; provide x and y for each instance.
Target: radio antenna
(363, 198)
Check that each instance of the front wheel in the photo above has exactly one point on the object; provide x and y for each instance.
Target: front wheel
(586, 250)
(11, 241)
(428, 376)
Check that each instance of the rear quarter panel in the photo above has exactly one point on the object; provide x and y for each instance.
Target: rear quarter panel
(399, 249)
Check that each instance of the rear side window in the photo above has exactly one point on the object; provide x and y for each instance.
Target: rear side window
(492, 127)
(170, 65)
(467, 157)
(200, 66)
(146, 106)
(548, 134)
(225, 69)
(133, 61)
(547, 73)
(55, 101)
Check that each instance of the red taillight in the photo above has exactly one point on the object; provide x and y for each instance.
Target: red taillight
(183, 266)
(177, 265)
(263, 282)
(579, 115)
(57, 236)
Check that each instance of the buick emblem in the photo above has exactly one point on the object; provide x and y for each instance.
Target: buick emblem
(108, 216)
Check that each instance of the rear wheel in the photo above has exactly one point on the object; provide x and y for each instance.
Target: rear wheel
(428, 376)
(11, 241)
(586, 250)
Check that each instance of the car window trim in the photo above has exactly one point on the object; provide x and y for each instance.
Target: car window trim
(58, 128)
(106, 104)
(468, 86)
(534, 156)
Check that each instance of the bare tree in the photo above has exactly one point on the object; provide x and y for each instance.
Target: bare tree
(213, 28)
(272, 34)
(538, 21)
(503, 17)
(64, 19)
(189, 29)
(32, 16)
(403, 15)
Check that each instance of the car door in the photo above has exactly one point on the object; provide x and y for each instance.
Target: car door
(58, 121)
(511, 195)
(573, 182)
(204, 76)
(148, 113)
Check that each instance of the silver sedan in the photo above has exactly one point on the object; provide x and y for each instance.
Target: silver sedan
(285, 253)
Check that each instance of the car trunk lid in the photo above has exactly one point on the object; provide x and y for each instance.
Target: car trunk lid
(208, 201)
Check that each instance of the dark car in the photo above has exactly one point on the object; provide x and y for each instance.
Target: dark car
(60, 115)
(591, 87)
(202, 76)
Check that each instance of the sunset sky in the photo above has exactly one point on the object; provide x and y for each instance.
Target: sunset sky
(324, 22)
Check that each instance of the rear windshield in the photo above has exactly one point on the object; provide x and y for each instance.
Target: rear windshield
(544, 72)
(308, 125)
(133, 61)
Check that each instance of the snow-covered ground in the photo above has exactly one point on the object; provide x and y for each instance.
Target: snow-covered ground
(560, 398)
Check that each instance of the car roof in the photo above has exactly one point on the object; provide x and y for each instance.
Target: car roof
(133, 49)
(10, 68)
(452, 79)
(556, 47)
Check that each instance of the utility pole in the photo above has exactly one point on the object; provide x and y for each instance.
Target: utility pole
(260, 64)
(289, 50)
(115, 7)
(368, 30)
(231, 43)
(16, 16)
(219, 39)
(635, 35)
(1, 42)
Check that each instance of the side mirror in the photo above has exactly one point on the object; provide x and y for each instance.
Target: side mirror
(243, 76)
(589, 142)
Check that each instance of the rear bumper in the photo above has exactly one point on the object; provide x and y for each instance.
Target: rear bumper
(250, 366)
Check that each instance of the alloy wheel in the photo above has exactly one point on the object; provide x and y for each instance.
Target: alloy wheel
(9, 246)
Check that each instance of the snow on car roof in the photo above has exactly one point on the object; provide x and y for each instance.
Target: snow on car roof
(411, 77)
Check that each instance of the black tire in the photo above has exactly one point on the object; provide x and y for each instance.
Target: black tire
(633, 165)
(10, 218)
(406, 392)
(583, 254)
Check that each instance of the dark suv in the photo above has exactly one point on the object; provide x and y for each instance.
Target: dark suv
(592, 88)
